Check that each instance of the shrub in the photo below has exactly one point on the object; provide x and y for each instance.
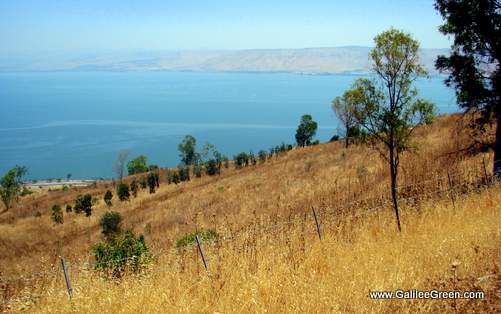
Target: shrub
(173, 177)
(110, 224)
(262, 155)
(241, 160)
(226, 162)
(211, 167)
(57, 214)
(83, 203)
(123, 192)
(156, 175)
(189, 239)
(122, 253)
(153, 168)
(334, 138)
(143, 182)
(271, 152)
(108, 196)
(65, 188)
(184, 173)
(252, 158)
(26, 191)
(152, 182)
(197, 170)
(134, 188)
(283, 148)
(69, 209)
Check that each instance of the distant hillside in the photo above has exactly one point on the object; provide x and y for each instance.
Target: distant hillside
(305, 61)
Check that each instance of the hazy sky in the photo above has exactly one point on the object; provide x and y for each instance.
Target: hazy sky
(37, 26)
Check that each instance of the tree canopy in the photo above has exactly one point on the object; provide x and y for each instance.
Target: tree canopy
(343, 106)
(306, 130)
(137, 165)
(474, 63)
(387, 108)
(11, 185)
(187, 150)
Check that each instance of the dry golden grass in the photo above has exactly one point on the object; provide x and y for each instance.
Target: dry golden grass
(290, 270)
(287, 269)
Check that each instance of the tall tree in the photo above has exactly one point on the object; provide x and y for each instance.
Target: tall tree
(306, 130)
(119, 163)
(387, 108)
(137, 165)
(187, 150)
(11, 185)
(474, 64)
(343, 108)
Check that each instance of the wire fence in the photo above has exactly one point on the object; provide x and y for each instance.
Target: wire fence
(451, 184)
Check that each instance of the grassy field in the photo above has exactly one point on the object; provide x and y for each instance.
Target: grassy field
(269, 258)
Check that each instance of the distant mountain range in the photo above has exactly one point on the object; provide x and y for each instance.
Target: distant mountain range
(303, 61)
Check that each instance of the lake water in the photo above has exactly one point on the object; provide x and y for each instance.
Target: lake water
(66, 122)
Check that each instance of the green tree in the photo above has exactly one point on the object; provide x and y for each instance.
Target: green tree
(110, 224)
(123, 192)
(474, 66)
(212, 159)
(108, 196)
(306, 130)
(137, 165)
(343, 107)
(11, 185)
(187, 150)
(211, 167)
(241, 160)
(119, 163)
(83, 203)
(387, 109)
(57, 214)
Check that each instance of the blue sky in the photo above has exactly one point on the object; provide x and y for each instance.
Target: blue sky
(40, 26)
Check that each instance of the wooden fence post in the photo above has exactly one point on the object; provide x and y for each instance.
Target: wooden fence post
(201, 253)
(316, 222)
(67, 278)
(451, 189)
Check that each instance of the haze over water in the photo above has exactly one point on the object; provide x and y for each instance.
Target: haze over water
(76, 122)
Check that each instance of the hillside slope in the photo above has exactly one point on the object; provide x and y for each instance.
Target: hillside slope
(274, 262)
(307, 60)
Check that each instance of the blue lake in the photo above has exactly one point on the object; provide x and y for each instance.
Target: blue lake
(67, 122)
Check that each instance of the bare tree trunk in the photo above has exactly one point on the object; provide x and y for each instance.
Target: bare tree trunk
(393, 177)
(347, 137)
(497, 144)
